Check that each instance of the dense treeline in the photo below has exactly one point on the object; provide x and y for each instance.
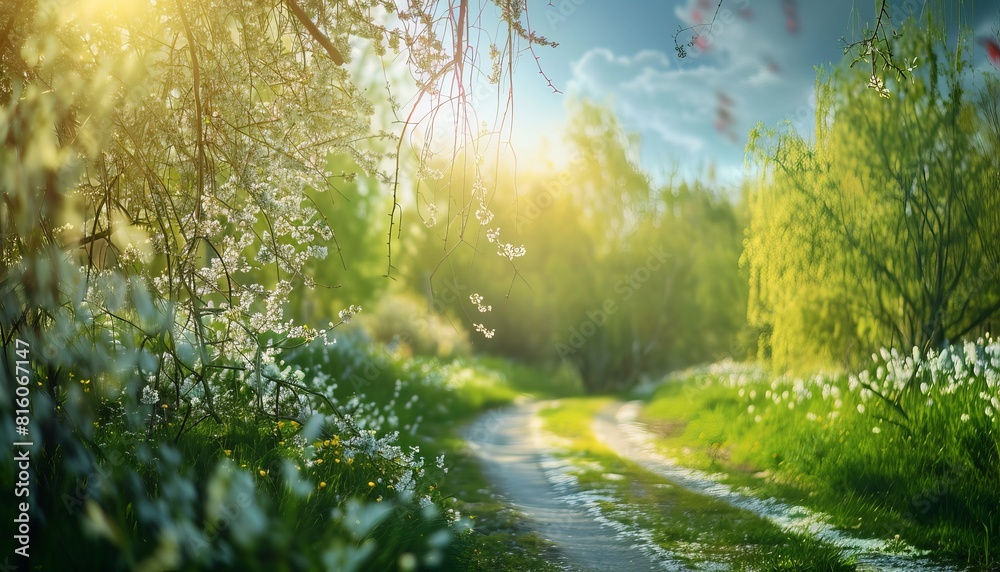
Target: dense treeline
(879, 230)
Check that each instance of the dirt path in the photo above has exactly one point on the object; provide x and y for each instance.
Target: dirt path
(509, 445)
(617, 427)
(525, 467)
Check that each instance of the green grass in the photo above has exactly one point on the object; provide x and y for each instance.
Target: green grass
(450, 394)
(259, 492)
(696, 528)
(928, 476)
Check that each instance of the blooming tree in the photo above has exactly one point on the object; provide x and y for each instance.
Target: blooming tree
(157, 158)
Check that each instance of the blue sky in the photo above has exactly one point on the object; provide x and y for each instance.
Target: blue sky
(695, 111)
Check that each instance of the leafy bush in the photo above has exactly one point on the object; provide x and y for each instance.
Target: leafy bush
(401, 320)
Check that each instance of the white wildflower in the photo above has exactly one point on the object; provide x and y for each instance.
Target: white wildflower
(478, 301)
(149, 396)
(510, 251)
(432, 211)
(484, 215)
(346, 315)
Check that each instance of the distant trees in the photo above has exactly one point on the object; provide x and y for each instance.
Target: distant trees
(623, 277)
(885, 230)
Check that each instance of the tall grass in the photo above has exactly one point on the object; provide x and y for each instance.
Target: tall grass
(351, 472)
(909, 447)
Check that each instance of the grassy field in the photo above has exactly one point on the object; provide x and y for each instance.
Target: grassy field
(909, 449)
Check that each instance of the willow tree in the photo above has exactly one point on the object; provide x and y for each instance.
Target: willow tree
(883, 231)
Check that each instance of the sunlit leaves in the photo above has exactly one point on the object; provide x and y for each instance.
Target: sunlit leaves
(621, 278)
(876, 233)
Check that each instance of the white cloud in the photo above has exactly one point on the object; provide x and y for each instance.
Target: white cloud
(600, 64)
(755, 68)
(670, 135)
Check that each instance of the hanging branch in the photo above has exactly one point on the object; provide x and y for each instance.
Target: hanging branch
(463, 11)
(315, 32)
(199, 122)
(696, 33)
(875, 47)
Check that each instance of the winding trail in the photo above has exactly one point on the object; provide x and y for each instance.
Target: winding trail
(511, 446)
(619, 428)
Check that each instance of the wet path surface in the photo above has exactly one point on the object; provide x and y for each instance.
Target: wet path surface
(508, 444)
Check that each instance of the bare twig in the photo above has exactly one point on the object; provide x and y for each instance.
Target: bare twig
(681, 48)
(876, 48)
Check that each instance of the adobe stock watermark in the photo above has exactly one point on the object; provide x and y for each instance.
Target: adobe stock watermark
(558, 184)
(922, 503)
(559, 11)
(625, 289)
(22, 450)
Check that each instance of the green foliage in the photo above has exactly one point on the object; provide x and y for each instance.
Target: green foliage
(621, 279)
(834, 443)
(401, 320)
(884, 229)
(353, 272)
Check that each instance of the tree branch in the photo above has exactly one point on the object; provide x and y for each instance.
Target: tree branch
(315, 32)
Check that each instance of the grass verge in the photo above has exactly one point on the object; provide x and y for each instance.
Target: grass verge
(693, 528)
(905, 452)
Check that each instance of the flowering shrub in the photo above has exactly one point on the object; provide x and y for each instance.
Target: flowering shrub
(337, 464)
(946, 388)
